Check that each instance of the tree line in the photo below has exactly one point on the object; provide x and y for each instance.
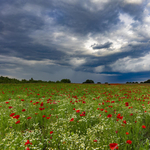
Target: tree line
(13, 80)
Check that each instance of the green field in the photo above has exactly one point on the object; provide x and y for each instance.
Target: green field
(74, 117)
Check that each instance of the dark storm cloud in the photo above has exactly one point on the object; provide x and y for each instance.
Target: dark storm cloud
(83, 21)
(133, 9)
(35, 30)
(105, 45)
(15, 38)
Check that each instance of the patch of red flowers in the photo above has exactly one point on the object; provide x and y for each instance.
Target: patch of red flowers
(113, 146)
(129, 142)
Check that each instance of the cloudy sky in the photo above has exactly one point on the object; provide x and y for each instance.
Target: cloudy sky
(101, 40)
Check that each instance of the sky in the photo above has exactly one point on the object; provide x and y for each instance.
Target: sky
(100, 40)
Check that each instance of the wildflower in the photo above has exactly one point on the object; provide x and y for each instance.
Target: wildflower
(109, 116)
(17, 122)
(10, 107)
(27, 142)
(51, 132)
(12, 114)
(7, 102)
(127, 133)
(77, 111)
(72, 119)
(124, 122)
(23, 110)
(94, 140)
(41, 104)
(129, 141)
(29, 118)
(126, 104)
(113, 146)
(143, 126)
(17, 116)
(27, 148)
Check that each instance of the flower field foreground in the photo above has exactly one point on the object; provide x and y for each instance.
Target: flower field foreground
(74, 117)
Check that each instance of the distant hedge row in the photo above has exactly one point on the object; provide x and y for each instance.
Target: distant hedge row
(13, 80)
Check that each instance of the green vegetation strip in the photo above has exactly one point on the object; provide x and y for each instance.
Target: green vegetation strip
(74, 116)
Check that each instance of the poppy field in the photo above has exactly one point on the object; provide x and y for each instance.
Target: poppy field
(74, 116)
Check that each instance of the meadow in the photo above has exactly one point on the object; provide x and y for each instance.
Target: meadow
(74, 117)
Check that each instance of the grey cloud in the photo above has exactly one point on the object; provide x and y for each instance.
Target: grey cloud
(133, 9)
(17, 25)
(105, 45)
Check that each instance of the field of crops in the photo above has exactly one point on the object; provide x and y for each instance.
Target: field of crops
(74, 117)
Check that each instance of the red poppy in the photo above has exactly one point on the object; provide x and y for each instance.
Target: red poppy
(109, 116)
(23, 110)
(27, 142)
(12, 114)
(10, 107)
(124, 122)
(27, 148)
(127, 133)
(129, 141)
(143, 126)
(126, 104)
(72, 119)
(51, 132)
(29, 118)
(94, 140)
(17, 122)
(113, 146)
(7, 102)
(17, 116)
(41, 104)
(77, 111)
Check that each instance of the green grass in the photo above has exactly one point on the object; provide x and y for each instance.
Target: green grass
(94, 130)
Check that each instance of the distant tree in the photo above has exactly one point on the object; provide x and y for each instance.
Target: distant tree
(98, 82)
(136, 82)
(88, 81)
(51, 81)
(127, 82)
(24, 81)
(148, 81)
(106, 82)
(65, 81)
(31, 80)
